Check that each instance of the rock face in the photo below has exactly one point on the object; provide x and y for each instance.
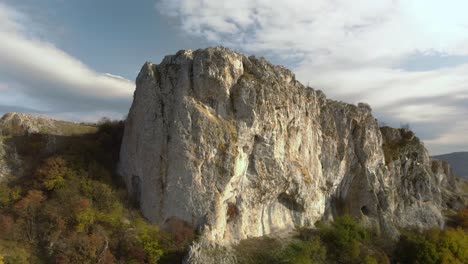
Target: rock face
(236, 147)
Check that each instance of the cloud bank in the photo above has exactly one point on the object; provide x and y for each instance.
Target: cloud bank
(356, 51)
(36, 75)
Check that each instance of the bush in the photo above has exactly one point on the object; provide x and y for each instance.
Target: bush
(148, 238)
(8, 195)
(345, 239)
(304, 252)
(462, 218)
(433, 246)
(258, 251)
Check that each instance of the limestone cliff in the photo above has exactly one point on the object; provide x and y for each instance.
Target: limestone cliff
(236, 147)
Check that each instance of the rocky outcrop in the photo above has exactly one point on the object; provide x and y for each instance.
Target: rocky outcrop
(458, 161)
(236, 147)
(19, 124)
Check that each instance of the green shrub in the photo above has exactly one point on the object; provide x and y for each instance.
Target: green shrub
(345, 238)
(304, 252)
(462, 218)
(8, 195)
(258, 251)
(433, 246)
(370, 260)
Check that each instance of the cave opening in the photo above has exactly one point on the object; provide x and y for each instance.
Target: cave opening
(365, 210)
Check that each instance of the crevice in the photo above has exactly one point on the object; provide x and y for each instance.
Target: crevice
(136, 188)
(290, 202)
(232, 212)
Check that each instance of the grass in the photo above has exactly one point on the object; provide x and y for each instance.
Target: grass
(69, 129)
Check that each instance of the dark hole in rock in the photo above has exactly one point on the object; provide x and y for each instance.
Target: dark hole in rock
(257, 139)
(290, 202)
(232, 212)
(212, 103)
(136, 187)
(365, 210)
(245, 149)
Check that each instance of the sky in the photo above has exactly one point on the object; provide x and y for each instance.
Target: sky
(77, 60)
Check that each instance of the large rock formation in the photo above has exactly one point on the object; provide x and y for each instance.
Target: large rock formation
(236, 147)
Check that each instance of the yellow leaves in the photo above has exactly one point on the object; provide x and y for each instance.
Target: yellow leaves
(148, 238)
(54, 183)
(85, 220)
(52, 172)
(84, 215)
(9, 195)
(434, 246)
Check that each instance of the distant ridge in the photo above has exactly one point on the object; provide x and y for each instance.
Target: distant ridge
(17, 124)
(459, 162)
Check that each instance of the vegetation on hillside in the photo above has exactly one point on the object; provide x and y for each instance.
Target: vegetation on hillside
(70, 208)
(345, 241)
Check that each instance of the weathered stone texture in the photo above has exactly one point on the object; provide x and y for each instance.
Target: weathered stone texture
(238, 148)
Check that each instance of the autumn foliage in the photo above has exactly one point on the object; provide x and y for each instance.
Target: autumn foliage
(73, 208)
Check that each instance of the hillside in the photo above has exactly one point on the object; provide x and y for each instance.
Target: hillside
(61, 201)
(458, 161)
(18, 124)
(15, 128)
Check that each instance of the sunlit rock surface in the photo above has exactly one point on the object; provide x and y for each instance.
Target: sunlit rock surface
(236, 147)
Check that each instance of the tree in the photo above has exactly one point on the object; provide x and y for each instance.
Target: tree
(84, 215)
(148, 238)
(28, 209)
(6, 225)
(52, 172)
(8, 195)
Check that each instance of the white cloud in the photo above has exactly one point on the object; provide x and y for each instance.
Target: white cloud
(353, 50)
(50, 75)
(115, 76)
(10, 19)
(450, 140)
(418, 112)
